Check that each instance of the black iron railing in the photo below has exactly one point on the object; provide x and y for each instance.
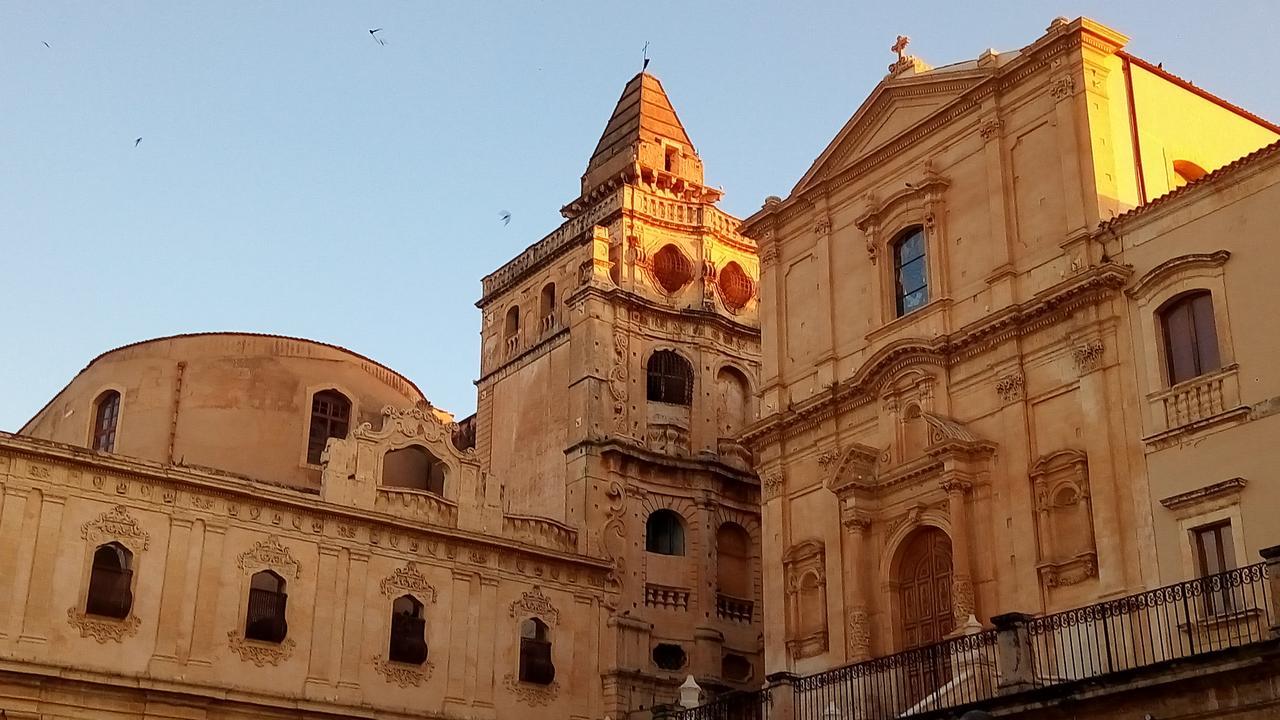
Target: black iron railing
(1188, 619)
(736, 705)
(953, 672)
(1216, 612)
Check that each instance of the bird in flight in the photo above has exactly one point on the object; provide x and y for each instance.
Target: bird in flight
(137, 142)
(374, 34)
(506, 218)
(47, 45)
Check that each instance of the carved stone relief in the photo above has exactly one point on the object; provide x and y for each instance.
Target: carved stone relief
(260, 654)
(100, 628)
(805, 570)
(1010, 387)
(535, 603)
(532, 694)
(402, 674)
(1087, 356)
(269, 553)
(116, 524)
(408, 579)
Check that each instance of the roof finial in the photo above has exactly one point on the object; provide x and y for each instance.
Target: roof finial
(900, 47)
(645, 54)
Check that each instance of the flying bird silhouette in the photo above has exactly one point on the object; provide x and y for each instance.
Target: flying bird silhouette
(47, 45)
(506, 218)
(374, 34)
(137, 142)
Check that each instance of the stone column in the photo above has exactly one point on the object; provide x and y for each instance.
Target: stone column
(1013, 653)
(1272, 557)
(961, 578)
(857, 628)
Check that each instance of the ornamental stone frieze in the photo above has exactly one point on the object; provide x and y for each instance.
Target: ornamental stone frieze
(260, 654)
(408, 579)
(1088, 356)
(100, 628)
(403, 674)
(774, 485)
(116, 524)
(1010, 387)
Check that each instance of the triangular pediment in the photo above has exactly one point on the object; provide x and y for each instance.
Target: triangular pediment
(895, 106)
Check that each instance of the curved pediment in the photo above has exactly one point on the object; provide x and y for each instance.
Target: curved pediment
(402, 426)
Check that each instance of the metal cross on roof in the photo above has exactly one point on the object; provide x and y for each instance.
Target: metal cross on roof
(900, 47)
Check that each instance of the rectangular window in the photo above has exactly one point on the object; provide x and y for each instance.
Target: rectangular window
(1215, 554)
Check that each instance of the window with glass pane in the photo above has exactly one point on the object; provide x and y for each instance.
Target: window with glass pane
(1190, 337)
(105, 417)
(910, 271)
(670, 378)
(330, 416)
(265, 617)
(1215, 554)
(535, 653)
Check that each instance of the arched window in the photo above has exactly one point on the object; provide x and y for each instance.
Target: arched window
(911, 278)
(265, 619)
(733, 561)
(330, 418)
(736, 286)
(664, 533)
(670, 378)
(408, 631)
(547, 307)
(535, 653)
(413, 467)
(106, 415)
(672, 269)
(511, 326)
(110, 582)
(1190, 336)
(1185, 171)
(813, 612)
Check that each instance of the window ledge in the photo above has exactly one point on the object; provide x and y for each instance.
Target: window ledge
(931, 308)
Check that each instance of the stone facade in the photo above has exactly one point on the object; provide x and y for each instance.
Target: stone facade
(600, 489)
(950, 422)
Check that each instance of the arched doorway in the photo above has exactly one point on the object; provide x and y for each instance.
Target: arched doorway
(924, 588)
(923, 580)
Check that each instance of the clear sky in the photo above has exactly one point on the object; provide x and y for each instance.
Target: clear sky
(296, 177)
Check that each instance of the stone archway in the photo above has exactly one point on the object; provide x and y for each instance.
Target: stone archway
(924, 584)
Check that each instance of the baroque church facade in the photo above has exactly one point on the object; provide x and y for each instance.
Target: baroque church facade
(229, 525)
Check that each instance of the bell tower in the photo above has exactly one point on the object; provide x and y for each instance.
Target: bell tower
(616, 412)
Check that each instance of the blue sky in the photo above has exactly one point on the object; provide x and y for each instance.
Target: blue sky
(295, 177)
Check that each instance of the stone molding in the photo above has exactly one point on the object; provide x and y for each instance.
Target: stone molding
(1161, 273)
(260, 654)
(102, 629)
(1231, 486)
(116, 524)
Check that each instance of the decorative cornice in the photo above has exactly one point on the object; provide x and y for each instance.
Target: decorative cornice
(1051, 305)
(1173, 266)
(1231, 486)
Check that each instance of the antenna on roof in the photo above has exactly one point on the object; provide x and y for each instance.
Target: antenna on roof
(645, 54)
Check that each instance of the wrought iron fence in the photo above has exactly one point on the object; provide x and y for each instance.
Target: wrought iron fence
(1216, 612)
(953, 672)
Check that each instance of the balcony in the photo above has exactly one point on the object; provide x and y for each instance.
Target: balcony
(1124, 645)
(1198, 402)
(734, 609)
(547, 324)
(666, 598)
(513, 344)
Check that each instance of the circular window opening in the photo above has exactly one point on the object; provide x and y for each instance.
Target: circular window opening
(671, 268)
(736, 668)
(736, 286)
(668, 656)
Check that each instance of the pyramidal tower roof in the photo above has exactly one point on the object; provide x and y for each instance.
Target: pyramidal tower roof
(643, 136)
(643, 112)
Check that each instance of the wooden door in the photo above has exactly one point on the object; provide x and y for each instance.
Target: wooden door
(925, 591)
